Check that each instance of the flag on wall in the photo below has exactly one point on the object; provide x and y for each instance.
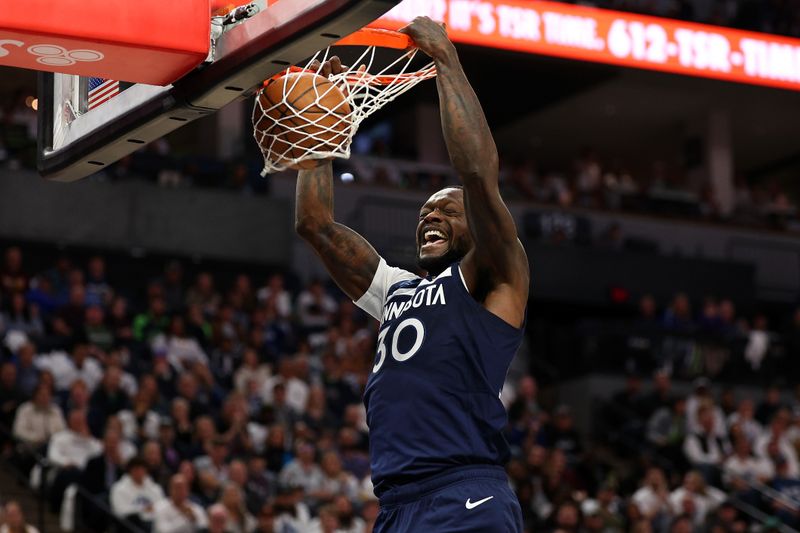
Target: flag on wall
(101, 90)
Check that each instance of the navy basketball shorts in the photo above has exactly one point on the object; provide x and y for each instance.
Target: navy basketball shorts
(465, 499)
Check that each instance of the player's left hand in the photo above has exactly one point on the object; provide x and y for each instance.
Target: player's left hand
(331, 66)
(429, 36)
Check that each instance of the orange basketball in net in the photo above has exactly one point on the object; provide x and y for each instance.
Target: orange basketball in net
(301, 114)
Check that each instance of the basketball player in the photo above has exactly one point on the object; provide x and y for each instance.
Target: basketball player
(446, 340)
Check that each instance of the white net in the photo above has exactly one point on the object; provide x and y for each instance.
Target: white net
(299, 117)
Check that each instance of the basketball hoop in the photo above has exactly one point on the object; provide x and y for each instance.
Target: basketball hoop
(289, 135)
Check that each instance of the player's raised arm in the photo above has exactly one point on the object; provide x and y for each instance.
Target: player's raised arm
(349, 258)
(496, 270)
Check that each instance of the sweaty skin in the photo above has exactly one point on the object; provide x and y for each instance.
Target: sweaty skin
(472, 224)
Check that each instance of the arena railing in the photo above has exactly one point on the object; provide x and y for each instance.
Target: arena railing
(114, 523)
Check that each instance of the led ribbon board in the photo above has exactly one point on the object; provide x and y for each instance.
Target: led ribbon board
(613, 37)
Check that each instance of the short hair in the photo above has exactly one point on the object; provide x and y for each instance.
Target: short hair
(136, 462)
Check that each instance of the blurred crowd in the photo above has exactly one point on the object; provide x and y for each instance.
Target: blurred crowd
(192, 407)
(710, 337)
(780, 17)
(189, 406)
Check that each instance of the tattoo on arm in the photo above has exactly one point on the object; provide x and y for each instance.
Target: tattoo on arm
(349, 258)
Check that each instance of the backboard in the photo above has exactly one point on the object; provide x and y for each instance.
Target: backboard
(79, 134)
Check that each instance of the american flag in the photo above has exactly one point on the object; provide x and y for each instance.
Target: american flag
(101, 90)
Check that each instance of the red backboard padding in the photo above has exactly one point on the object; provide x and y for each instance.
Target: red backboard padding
(143, 41)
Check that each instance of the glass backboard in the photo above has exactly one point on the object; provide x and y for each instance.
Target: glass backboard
(86, 124)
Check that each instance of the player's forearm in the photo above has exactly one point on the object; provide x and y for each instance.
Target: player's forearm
(314, 200)
(349, 259)
(466, 132)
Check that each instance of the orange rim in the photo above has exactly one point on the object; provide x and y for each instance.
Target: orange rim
(377, 37)
(367, 37)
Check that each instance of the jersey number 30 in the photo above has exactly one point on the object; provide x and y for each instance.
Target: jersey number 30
(419, 336)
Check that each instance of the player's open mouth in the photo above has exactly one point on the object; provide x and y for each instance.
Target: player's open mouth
(433, 239)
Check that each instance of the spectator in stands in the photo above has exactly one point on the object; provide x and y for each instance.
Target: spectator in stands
(148, 325)
(12, 276)
(292, 514)
(37, 420)
(172, 283)
(182, 350)
(178, 514)
(214, 459)
(678, 316)
(23, 318)
(98, 290)
(335, 480)
(14, 519)
(775, 445)
(239, 518)
(703, 396)
(95, 329)
(119, 321)
(302, 471)
(349, 522)
(652, 499)
(694, 498)
(103, 470)
(705, 449)
(140, 422)
(788, 486)
(661, 395)
(11, 396)
(770, 405)
(135, 495)
(70, 317)
(666, 430)
(66, 369)
(68, 451)
(217, 520)
(204, 294)
(744, 419)
(315, 308)
(742, 469)
(561, 434)
(274, 291)
(108, 399)
(27, 372)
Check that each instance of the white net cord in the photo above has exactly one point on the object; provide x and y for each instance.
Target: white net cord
(289, 135)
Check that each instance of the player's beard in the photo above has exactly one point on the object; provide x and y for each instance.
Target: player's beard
(435, 265)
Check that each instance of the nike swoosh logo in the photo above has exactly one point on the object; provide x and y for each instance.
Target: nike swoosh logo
(473, 505)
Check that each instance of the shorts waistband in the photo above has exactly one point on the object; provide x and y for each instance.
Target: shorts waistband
(414, 491)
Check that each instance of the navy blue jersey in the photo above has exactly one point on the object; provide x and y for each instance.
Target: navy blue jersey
(433, 396)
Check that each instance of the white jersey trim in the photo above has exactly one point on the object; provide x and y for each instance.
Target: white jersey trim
(385, 276)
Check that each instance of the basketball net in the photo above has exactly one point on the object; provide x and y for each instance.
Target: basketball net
(324, 133)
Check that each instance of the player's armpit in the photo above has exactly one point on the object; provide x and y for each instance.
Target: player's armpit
(348, 257)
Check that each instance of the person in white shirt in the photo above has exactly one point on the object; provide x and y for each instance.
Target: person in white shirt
(705, 449)
(68, 368)
(302, 471)
(744, 418)
(217, 519)
(652, 499)
(315, 308)
(251, 370)
(39, 419)
(182, 350)
(14, 520)
(776, 435)
(69, 451)
(743, 468)
(136, 494)
(695, 498)
(275, 292)
(178, 514)
(296, 389)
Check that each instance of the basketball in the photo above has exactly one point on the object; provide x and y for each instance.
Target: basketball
(302, 112)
